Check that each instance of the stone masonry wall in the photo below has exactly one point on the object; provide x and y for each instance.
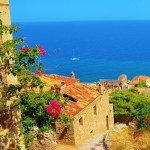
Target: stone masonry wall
(111, 116)
(92, 123)
(10, 117)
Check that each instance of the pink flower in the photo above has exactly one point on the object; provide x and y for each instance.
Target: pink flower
(53, 108)
(55, 114)
(62, 83)
(38, 72)
(57, 91)
(24, 48)
(54, 103)
(58, 109)
(41, 50)
(49, 109)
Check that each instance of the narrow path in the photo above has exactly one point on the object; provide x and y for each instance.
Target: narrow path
(94, 143)
(65, 147)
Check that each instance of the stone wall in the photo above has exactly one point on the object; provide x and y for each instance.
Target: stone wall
(10, 116)
(95, 118)
(5, 17)
(9, 128)
(111, 116)
(123, 119)
(44, 140)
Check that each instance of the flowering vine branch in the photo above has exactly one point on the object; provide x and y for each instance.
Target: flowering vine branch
(38, 107)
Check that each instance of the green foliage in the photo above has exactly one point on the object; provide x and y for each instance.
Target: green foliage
(28, 138)
(133, 90)
(7, 29)
(44, 128)
(33, 106)
(143, 109)
(104, 137)
(64, 117)
(128, 102)
(123, 102)
(18, 147)
(141, 84)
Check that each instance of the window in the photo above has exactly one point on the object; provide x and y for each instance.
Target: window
(1, 79)
(94, 110)
(81, 121)
(91, 131)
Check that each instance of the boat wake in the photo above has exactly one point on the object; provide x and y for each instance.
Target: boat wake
(75, 58)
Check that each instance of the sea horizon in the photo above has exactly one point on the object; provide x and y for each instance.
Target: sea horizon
(105, 49)
(67, 21)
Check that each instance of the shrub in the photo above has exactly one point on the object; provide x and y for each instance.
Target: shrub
(127, 102)
(32, 100)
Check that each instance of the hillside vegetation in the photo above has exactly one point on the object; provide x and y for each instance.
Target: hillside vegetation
(130, 139)
(131, 103)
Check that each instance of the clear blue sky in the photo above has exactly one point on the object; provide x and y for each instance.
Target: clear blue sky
(74, 10)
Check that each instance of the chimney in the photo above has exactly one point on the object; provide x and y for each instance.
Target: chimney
(100, 88)
(72, 75)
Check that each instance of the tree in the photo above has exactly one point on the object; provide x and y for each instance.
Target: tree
(130, 103)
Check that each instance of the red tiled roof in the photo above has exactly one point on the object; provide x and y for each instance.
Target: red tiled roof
(144, 78)
(84, 93)
(136, 79)
(51, 79)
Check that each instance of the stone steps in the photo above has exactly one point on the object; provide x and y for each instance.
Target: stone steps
(95, 143)
(98, 147)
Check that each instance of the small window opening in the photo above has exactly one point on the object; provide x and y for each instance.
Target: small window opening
(81, 121)
(1, 79)
(94, 110)
(91, 131)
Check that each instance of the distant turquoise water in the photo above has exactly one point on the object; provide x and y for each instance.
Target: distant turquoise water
(106, 48)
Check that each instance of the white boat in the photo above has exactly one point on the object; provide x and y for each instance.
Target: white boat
(75, 58)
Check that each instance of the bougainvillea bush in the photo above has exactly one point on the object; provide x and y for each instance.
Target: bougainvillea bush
(39, 108)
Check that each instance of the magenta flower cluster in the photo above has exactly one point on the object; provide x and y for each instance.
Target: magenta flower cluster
(24, 48)
(53, 108)
(62, 83)
(41, 50)
(38, 72)
(57, 90)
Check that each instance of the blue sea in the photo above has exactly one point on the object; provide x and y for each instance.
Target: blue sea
(105, 49)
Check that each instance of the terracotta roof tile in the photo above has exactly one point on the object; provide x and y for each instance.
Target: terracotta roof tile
(144, 78)
(136, 79)
(84, 93)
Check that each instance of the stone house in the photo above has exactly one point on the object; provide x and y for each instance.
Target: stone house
(9, 118)
(121, 83)
(140, 78)
(88, 106)
(122, 78)
(110, 84)
(124, 82)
